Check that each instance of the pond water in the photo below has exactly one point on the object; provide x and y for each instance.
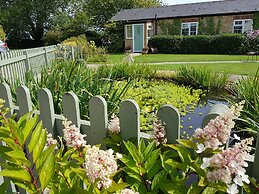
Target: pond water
(193, 120)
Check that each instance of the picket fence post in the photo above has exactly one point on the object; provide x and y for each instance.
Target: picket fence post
(171, 117)
(27, 60)
(24, 100)
(47, 112)
(129, 120)
(98, 119)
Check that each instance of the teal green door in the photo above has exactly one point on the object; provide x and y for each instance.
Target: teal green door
(138, 40)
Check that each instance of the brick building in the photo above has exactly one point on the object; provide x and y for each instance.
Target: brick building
(209, 18)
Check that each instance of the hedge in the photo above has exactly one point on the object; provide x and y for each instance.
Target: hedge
(199, 44)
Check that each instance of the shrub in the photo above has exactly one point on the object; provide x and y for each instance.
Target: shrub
(126, 70)
(200, 44)
(2, 33)
(248, 90)
(53, 37)
(200, 78)
(91, 52)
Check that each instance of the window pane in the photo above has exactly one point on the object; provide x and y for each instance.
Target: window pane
(185, 31)
(238, 22)
(238, 29)
(129, 31)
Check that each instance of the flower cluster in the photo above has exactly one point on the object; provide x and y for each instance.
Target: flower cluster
(218, 130)
(159, 133)
(128, 191)
(253, 34)
(72, 135)
(100, 166)
(114, 124)
(230, 163)
(50, 141)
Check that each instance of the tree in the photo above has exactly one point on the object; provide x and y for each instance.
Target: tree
(32, 17)
(100, 11)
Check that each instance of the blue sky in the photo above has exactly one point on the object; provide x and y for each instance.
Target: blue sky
(172, 2)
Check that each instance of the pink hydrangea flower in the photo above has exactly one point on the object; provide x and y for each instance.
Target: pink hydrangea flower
(100, 165)
(218, 130)
(50, 141)
(72, 135)
(159, 133)
(128, 191)
(114, 124)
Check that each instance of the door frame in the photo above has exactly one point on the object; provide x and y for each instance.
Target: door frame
(133, 33)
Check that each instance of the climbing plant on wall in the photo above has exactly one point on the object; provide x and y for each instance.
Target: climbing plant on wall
(209, 26)
(256, 21)
(172, 27)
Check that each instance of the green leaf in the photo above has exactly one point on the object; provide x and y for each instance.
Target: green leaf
(187, 143)
(117, 187)
(183, 152)
(16, 131)
(35, 137)
(195, 189)
(209, 190)
(142, 146)
(43, 157)
(170, 164)
(138, 157)
(149, 149)
(152, 159)
(158, 180)
(197, 168)
(132, 174)
(174, 188)
(29, 126)
(81, 173)
(47, 170)
(16, 173)
(129, 162)
(154, 169)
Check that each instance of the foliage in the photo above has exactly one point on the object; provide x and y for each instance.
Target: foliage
(2, 34)
(172, 28)
(25, 16)
(208, 26)
(150, 96)
(248, 89)
(53, 37)
(201, 78)
(91, 52)
(251, 42)
(114, 37)
(256, 21)
(68, 76)
(125, 70)
(95, 8)
(36, 166)
(199, 44)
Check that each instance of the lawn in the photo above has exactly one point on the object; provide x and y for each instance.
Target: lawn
(115, 58)
(248, 68)
(155, 58)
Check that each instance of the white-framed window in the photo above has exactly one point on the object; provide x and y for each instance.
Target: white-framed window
(128, 31)
(189, 28)
(150, 31)
(242, 26)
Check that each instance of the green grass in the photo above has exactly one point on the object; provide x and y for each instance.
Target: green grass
(115, 58)
(229, 68)
(155, 58)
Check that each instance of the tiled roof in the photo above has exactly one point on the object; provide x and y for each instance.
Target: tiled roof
(189, 10)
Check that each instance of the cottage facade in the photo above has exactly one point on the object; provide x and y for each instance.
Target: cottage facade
(207, 18)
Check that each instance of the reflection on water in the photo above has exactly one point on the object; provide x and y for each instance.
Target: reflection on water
(193, 120)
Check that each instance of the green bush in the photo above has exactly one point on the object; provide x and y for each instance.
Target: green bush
(53, 37)
(200, 44)
(201, 78)
(91, 52)
(126, 70)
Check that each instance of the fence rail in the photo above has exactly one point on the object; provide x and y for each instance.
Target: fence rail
(96, 128)
(15, 64)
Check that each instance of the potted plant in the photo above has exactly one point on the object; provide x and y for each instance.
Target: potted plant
(145, 50)
(128, 49)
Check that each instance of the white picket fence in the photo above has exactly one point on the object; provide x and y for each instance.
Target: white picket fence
(96, 128)
(15, 64)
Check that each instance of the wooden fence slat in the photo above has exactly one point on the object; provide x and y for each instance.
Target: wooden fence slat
(71, 109)
(46, 106)
(255, 165)
(98, 120)
(130, 120)
(5, 94)
(215, 110)
(24, 100)
(171, 116)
